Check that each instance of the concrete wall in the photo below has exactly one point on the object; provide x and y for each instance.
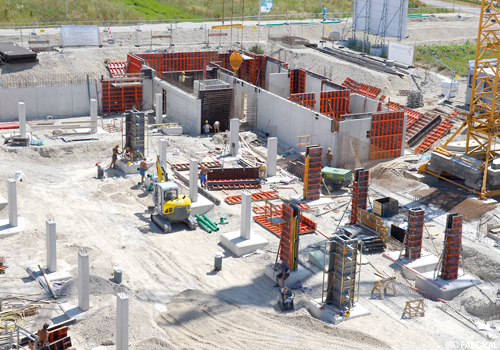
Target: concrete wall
(313, 84)
(352, 134)
(148, 94)
(279, 84)
(182, 108)
(57, 101)
(363, 104)
(271, 68)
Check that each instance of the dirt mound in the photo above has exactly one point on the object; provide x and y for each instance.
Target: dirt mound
(97, 286)
(477, 304)
(197, 320)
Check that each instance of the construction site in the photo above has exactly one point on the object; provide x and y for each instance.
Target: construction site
(167, 187)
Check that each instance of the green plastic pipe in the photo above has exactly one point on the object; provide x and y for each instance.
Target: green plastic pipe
(208, 224)
(203, 225)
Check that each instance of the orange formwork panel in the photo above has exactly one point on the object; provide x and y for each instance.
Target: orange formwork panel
(334, 103)
(386, 135)
(262, 196)
(119, 99)
(306, 100)
(134, 64)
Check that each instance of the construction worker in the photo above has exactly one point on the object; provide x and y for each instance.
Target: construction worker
(142, 169)
(262, 172)
(324, 13)
(284, 272)
(182, 77)
(329, 158)
(114, 157)
(203, 175)
(216, 127)
(206, 127)
(43, 337)
(129, 154)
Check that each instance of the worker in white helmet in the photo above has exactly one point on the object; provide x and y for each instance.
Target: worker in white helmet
(329, 158)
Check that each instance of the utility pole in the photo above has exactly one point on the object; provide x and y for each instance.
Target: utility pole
(66, 10)
(223, 4)
(258, 25)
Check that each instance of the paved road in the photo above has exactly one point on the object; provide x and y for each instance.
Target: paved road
(464, 8)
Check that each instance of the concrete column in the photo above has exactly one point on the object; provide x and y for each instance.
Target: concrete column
(272, 154)
(83, 281)
(193, 180)
(93, 114)
(162, 150)
(246, 214)
(234, 127)
(21, 111)
(12, 196)
(121, 321)
(50, 226)
(159, 108)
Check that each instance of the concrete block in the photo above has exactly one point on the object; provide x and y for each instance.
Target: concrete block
(6, 230)
(202, 206)
(331, 314)
(132, 167)
(428, 284)
(171, 129)
(72, 311)
(83, 281)
(272, 154)
(240, 246)
(300, 274)
(426, 263)
(50, 227)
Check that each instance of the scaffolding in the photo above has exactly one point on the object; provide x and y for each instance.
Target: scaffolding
(341, 273)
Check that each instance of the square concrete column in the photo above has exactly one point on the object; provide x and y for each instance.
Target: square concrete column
(50, 226)
(234, 135)
(272, 155)
(21, 111)
(122, 321)
(193, 180)
(93, 114)
(162, 150)
(246, 214)
(83, 281)
(12, 197)
(159, 108)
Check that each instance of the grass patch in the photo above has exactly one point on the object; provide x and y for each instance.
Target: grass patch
(44, 11)
(456, 57)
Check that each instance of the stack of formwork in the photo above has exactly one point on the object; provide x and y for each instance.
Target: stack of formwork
(452, 245)
(341, 271)
(414, 233)
(312, 172)
(359, 193)
(135, 132)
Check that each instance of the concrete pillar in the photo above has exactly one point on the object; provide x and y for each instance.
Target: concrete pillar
(21, 111)
(93, 114)
(272, 155)
(83, 281)
(121, 321)
(246, 214)
(50, 226)
(162, 150)
(12, 197)
(193, 180)
(159, 108)
(234, 127)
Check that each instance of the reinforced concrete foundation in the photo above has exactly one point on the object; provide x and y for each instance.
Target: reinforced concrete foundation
(133, 167)
(301, 273)
(332, 314)
(425, 263)
(443, 289)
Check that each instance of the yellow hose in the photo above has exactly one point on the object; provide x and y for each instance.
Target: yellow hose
(14, 318)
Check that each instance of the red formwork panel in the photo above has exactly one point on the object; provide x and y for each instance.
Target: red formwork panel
(414, 234)
(452, 247)
(334, 103)
(307, 100)
(134, 64)
(119, 99)
(362, 89)
(179, 61)
(386, 135)
(359, 193)
(436, 134)
(297, 81)
(117, 69)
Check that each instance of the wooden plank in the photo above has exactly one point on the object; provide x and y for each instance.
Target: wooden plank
(47, 280)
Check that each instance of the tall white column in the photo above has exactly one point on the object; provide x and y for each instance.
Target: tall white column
(21, 110)
(162, 150)
(50, 226)
(193, 180)
(272, 154)
(12, 196)
(83, 281)
(159, 108)
(122, 321)
(246, 214)
(234, 135)
(93, 114)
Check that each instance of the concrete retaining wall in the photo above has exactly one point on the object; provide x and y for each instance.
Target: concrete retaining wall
(182, 108)
(57, 101)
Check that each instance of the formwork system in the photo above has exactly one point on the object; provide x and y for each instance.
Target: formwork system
(178, 61)
(297, 78)
(341, 273)
(334, 104)
(117, 97)
(436, 134)
(271, 213)
(216, 106)
(359, 193)
(361, 89)
(134, 64)
(312, 172)
(386, 135)
(117, 69)
(289, 241)
(233, 178)
(261, 196)
(135, 132)
(452, 247)
(306, 100)
(414, 233)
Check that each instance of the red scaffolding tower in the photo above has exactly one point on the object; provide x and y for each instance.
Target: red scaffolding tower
(414, 233)
(452, 246)
(359, 193)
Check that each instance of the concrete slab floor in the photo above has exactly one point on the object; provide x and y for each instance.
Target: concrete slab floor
(301, 274)
(202, 206)
(426, 263)
(240, 246)
(443, 289)
(6, 230)
(132, 167)
(72, 311)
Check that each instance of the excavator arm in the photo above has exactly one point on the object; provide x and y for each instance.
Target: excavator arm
(160, 169)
